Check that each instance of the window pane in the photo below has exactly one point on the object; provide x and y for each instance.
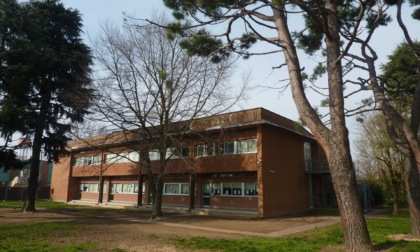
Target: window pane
(96, 159)
(250, 188)
(134, 156)
(252, 145)
(227, 188)
(200, 150)
(215, 189)
(154, 155)
(170, 152)
(118, 188)
(185, 188)
(171, 188)
(124, 188)
(237, 188)
(210, 149)
(229, 148)
(242, 147)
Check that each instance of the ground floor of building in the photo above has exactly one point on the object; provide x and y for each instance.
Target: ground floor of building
(240, 191)
(236, 191)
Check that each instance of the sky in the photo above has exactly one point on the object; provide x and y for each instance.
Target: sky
(95, 12)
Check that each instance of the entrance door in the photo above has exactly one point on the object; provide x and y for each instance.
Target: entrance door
(206, 195)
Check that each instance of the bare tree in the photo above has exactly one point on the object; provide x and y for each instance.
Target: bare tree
(378, 152)
(152, 89)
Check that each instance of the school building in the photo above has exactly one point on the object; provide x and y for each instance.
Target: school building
(253, 160)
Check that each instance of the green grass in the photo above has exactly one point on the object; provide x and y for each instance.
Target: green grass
(314, 240)
(309, 241)
(41, 237)
(38, 203)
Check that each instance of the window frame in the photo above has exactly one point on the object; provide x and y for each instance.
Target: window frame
(227, 189)
(205, 150)
(179, 189)
(87, 160)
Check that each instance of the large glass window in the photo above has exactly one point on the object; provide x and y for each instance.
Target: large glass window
(123, 157)
(204, 150)
(227, 148)
(247, 146)
(89, 187)
(242, 189)
(154, 155)
(128, 188)
(176, 188)
(88, 160)
(216, 189)
(177, 152)
(251, 189)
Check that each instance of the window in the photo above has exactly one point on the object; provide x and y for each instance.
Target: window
(204, 150)
(240, 189)
(177, 152)
(251, 189)
(176, 188)
(216, 189)
(127, 188)
(89, 187)
(227, 148)
(154, 155)
(123, 157)
(247, 146)
(238, 147)
(232, 189)
(89, 160)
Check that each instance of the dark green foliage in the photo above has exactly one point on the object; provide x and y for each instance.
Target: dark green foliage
(401, 75)
(44, 71)
(8, 160)
(312, 41)
(416, 14)
(45, 80)
(203, 45)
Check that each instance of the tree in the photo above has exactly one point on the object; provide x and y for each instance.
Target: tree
(398, 89)
(152, 90)
(45, 83)
(329, 31)
(375, 148)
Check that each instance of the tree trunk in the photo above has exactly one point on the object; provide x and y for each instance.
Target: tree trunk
(152, 188)
(412, 185)
(351, 212)
(335, 140)
(157, 204)
(29, 204)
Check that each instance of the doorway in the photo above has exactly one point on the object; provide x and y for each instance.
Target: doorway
(206, 195)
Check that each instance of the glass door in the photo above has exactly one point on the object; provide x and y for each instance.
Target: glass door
(206, 195)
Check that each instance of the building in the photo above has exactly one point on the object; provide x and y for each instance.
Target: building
(252, 160)
(13, 182)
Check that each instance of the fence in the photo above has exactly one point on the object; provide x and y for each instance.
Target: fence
(19, 193)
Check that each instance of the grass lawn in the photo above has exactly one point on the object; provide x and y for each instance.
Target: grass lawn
(38, 203)
(41, 237)
(314, 240)
(60, 236)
